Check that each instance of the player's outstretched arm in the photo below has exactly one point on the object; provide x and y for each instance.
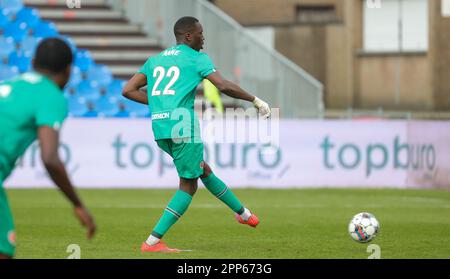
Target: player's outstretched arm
(233, 90)
(132, 89)
(49, 142)
(229, 88)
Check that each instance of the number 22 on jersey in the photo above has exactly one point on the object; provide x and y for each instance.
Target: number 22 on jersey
(160, 73)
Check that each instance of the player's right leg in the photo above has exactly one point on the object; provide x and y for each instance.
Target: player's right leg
(188, 172)
(174, 210)
(223, 193)
(7, 234)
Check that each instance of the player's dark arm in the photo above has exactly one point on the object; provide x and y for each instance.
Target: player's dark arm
(229, 88)
(49, 142)
(132, 89)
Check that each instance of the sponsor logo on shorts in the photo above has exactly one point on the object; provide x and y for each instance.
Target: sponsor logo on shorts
(12, 237)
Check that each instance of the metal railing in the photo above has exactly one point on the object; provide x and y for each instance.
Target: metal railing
(237, 54)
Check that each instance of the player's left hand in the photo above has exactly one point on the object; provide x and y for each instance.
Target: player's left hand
(262, 107)
(86, 220)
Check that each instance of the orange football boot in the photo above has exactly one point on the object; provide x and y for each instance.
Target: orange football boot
(253, 221)
(158, 247)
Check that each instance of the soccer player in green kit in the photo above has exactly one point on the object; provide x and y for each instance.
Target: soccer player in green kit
(33, 106)
(172, 78)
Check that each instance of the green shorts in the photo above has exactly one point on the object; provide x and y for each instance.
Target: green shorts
(187, 156)
(7, 233)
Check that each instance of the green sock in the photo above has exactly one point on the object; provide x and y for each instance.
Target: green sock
(222, 192)
(174, 210)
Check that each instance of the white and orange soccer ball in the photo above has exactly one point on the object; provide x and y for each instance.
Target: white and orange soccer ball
(363, 227)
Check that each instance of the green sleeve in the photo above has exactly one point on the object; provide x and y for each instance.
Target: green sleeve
(145, 69)
(52, 111)
(205, 65)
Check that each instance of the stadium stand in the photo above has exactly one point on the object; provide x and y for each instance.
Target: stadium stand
(103, 59)
(108, 50)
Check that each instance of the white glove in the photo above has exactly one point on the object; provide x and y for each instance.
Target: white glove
(262, 107)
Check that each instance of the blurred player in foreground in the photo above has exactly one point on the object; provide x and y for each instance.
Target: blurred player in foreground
(172, 78)
(33, 106)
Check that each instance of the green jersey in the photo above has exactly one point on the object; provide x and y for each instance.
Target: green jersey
(172, 78)
(26, 102)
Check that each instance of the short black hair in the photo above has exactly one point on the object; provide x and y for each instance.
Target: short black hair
(184, 25)
(53, 54)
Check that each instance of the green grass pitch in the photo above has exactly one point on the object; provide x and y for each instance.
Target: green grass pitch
(294, 224)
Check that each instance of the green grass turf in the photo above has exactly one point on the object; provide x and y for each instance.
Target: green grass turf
(294, 224)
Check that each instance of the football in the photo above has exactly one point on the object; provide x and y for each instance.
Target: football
(363, 227)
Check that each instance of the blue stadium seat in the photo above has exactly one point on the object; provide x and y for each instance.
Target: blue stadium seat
(77, 106)
(7, 72)
(29, 45)
(11, 7)
(101, 74)
(91, 110)
(29, 16)
(88, 90)
(83, 60)
(115, 87)
(90, 114)
(4, 19)
(45, 29)
(135, 109)
(7, 46)
(17, 30)
(70, 91)
(123, 112)
(107, 107)
(75, 77)
(21, 60)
